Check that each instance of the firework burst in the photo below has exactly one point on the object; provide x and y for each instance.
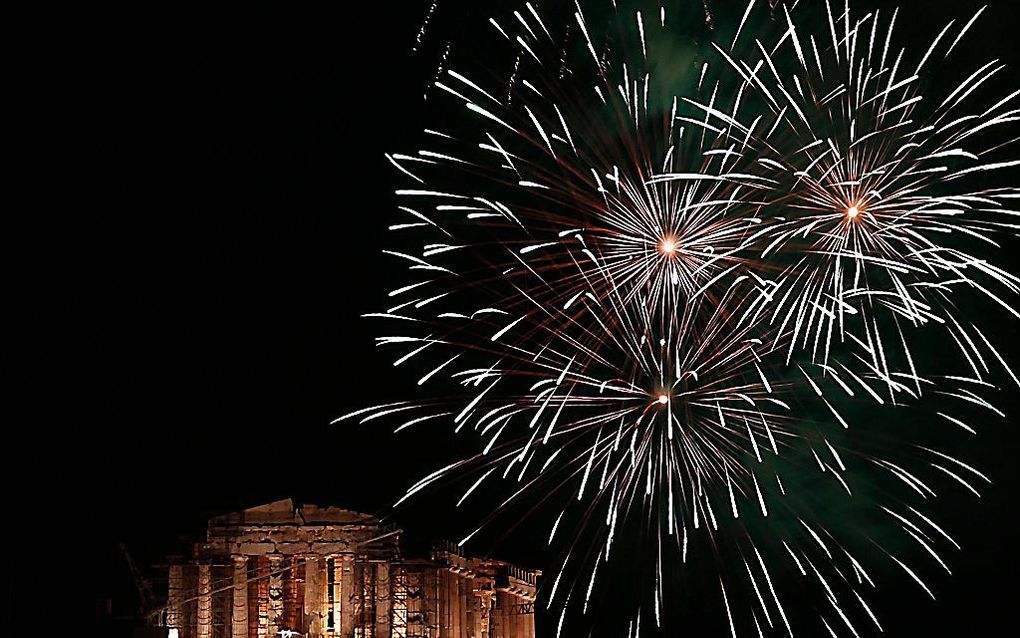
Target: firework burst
(679, 309)
(874, 214)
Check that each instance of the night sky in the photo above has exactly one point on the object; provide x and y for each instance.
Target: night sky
(205, 210)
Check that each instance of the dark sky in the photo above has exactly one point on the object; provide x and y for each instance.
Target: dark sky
(206, 207)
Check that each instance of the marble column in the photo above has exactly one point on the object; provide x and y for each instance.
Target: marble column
(337, 593)
(496, 616)
(239, 610)
(262, 597)
(466, 596)
(453, 600)
(293, 610)
(382, 601)
(529, 620)
(175, 596)
(276, 576)
(347, 596)
(313, 624)
(482, 608)
(432, 605)
(509, 617)
(443, 602)
(204, 601)
(323, 596)
(517, 618)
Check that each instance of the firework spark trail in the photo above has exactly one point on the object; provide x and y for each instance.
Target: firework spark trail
(440, 69)
(660, 313)
(420, 38)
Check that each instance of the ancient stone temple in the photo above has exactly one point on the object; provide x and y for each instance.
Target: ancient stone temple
(322, 572)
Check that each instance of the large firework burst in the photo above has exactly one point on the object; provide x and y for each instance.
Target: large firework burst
(662, 303)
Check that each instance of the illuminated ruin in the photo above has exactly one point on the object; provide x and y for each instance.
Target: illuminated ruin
(281, 570)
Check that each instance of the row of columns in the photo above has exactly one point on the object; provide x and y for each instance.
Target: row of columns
(321, 586)
(175, 616)
(329, 598)
(458, 617)
(507, 618)
(461, 610)
(333, 597)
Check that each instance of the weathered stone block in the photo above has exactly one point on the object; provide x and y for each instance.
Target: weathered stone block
(255, 549)
(292, 548)
(328, 548)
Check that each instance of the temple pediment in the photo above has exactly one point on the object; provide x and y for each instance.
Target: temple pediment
(285, 512)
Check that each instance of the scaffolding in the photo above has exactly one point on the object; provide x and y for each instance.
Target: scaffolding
(410, 611)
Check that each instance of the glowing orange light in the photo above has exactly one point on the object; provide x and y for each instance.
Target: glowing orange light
(663, 399)
(668, 246)
(853, 212)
